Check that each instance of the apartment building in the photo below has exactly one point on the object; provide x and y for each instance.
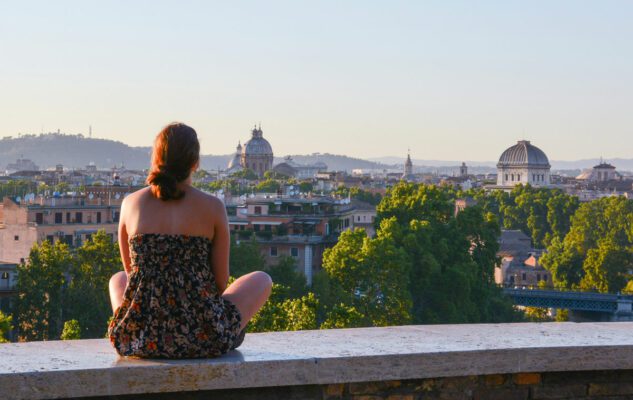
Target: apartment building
(301, 227)
(70, 219)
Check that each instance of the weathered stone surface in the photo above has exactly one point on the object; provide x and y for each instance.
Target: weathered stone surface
(611, 389)
(560, 391)
(494, 380)
(372, 387)
(504, 393)
(401, 397)
(334, 391)
(91, 368)
(527, 379)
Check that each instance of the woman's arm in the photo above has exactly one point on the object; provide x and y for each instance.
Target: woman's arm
(123, 240)
(220, 246)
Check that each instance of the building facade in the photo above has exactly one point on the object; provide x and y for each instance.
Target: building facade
(257, 153)
(519, 265)
(602, 172)
(301, 227)
(523, 164)
(408, 169)
(70, 219)
(292, 169)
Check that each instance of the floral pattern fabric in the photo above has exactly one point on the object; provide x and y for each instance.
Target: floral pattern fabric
(171, 307)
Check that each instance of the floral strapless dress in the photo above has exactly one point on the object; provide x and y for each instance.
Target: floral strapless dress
(171, 307)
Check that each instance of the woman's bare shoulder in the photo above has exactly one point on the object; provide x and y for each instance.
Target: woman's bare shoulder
(210, 201)
(135, 197)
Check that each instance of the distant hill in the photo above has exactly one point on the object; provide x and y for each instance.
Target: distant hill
(432, 163)
(337, 162)
(77, 151)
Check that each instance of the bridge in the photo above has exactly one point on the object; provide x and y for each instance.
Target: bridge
(582, 305)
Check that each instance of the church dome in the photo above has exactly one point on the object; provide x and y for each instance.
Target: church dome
(234, 162)
(523, 154)
(257, 145)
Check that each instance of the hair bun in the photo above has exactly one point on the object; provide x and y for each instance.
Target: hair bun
(164, 185)
(176, 152)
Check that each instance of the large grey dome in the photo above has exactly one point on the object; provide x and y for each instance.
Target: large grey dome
(523, 154)
(257, 145)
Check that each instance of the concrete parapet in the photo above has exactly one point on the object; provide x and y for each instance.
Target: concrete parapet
(553, 360)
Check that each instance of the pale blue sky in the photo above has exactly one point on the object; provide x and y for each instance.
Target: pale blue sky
(448, 79)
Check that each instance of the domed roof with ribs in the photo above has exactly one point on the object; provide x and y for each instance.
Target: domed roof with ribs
(257, 145)
(523, 154)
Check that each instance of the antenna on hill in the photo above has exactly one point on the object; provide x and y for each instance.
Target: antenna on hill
(90, 131)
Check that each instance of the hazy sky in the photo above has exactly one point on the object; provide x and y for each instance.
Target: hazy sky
(447, 79)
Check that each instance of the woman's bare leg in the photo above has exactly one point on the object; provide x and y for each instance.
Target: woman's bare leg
(118, 282)
(249, 293)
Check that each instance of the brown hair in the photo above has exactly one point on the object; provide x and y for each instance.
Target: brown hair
(176, 151)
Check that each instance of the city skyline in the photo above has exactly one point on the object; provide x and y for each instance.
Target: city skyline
(450, 82)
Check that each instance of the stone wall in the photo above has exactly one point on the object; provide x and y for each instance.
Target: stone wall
(552, 385)
(485, 361)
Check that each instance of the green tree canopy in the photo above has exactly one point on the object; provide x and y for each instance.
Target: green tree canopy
(597, 252)
(245, 257)
(87, 298)
(41, 286)
(72, 330)
(5, 327)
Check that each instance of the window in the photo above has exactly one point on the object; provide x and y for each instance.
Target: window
(267, 228)
(294, 251)
(39, 218)
(506, 177)
(68, 239)
(16, 237)
(79, 217)
(59, 218)
(273, 252)
(68, 218)
(117, 215)
(545, 278)
(99, 217)
(533, 177)
(21, 260)
(538, 277)
(257, 228)
(258, 210)
(88, 237)
(50, 239)
(524, 277)
(5, 275)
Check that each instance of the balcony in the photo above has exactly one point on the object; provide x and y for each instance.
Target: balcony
(506, 361)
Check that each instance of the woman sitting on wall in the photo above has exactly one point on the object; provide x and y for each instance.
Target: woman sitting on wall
(172, 300)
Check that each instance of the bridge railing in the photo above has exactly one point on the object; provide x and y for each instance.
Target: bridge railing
(536, 288)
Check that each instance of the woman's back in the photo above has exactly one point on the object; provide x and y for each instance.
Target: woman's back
(172, 299)
(193, 214)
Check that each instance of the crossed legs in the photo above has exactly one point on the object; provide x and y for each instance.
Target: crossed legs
(248, 292)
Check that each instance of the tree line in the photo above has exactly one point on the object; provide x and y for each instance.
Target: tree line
(588, 246)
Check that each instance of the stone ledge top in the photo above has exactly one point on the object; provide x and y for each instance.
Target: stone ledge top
(82, 368)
